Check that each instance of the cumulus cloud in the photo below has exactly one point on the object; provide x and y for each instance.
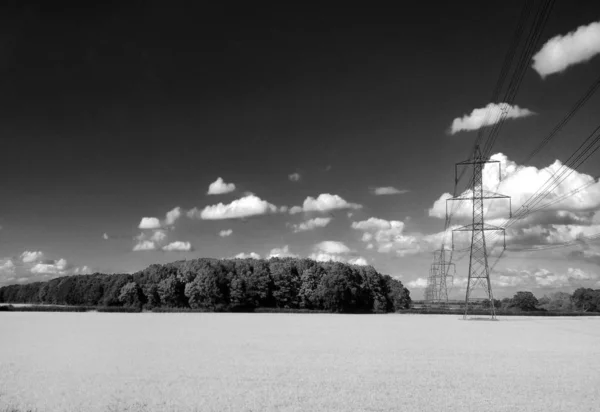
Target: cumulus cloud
(83, 270)
(144, 245)
(225, 233)
(324, 203)
(31, 256)
(172, 216)
(575, 47)
(178, 246)
(250, 205)
(158, 236)
(487, 116)
(332, 246)
(311, 224)
(219, 187)
(251, 255)
(388, 190)
(388, 236)
(54, 267)
(572, 211)
(334, 251)
(419, 283)
(149, 223)
(7, 267)
(282, 252)
(294, 177)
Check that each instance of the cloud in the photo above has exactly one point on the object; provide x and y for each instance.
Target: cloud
(487, 116)
(360, 261)
(158, 236)
(54, 267)
(244, 207)
(144, 245)
(281, 252)
(419, 283)
(7, 267)
(311, 224)
(573, 206)
(250, 255)
(331, 246)
(84, 270)
(324, 203)
(388, 190)
(388, 236)
(172, 216)
(575, 47)
(178, 246)
(149, 223)
(225, 233)
(294, 177)
(219, 187)
(105, 236)
(29, 257)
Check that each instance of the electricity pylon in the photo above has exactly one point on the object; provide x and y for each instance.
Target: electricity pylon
(479, 272)
(441, 271)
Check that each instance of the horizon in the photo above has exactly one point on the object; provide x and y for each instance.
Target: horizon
(135, 136)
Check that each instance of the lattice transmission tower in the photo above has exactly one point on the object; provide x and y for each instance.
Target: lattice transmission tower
(441, 274)
(479, 271)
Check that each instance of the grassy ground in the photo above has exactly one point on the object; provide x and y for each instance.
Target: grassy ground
(294, 362)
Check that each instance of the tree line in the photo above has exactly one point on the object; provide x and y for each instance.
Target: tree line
(582, 300)
(226, 285)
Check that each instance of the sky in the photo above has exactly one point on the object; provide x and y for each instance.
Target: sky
(149, 133)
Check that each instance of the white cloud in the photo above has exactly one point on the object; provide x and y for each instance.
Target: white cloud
(250, 255)
(225, 233)
(324, 203)
(84, 270)
(294, 177)
(149, 223)
(419, 283)
(158, 236)
(281, 252)
(575, 47)
(172, 216)
(311, 224)
(326, 257)
(56, 267)
(334, 251)
(105, 236)
(574, 213)
(360, 261)
(144, 245)
(388, 190)
(487, 116)
(332, 246)
(178, 246)
(219, 187)
(388, 236)
(244, 207)
(7, 267)
(31, 256)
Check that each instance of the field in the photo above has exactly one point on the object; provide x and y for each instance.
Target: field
(296, 362)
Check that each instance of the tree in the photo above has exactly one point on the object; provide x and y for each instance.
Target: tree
(132, 295)
(171, 291)
(557, 301)
(524, 301)
(586, 300)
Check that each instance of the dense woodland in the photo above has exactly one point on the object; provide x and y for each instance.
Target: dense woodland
(226, 285)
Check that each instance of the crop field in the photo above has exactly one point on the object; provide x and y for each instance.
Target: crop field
(296, 362)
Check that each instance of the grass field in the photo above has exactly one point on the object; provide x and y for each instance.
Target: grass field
(296, 362)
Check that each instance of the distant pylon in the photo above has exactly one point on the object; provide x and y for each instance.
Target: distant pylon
(440, 273)
(479, 273)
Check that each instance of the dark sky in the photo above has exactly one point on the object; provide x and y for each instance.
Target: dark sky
(114, 112)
